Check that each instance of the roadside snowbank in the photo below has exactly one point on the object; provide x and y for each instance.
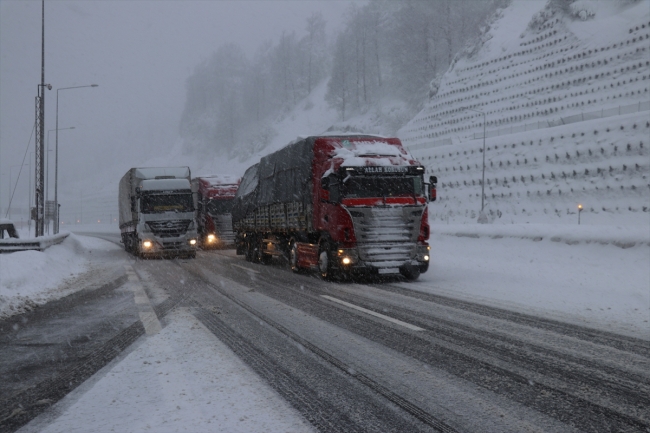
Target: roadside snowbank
(620, 236)
(31, 278)
(181, 379)
(584, 280)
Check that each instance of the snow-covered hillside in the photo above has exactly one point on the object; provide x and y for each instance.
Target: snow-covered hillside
(566, 107)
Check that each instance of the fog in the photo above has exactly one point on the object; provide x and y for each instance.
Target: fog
(140, 54)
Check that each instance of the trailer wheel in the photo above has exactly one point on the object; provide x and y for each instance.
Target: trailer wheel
(324, 261)
(248, 247)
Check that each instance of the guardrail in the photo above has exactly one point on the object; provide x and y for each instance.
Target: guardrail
(12, 245)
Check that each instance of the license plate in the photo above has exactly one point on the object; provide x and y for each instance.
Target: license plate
(388, 271)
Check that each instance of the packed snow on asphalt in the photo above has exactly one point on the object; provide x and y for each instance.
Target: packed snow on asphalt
(184, 379)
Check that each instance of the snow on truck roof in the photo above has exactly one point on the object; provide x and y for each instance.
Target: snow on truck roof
(165, 184)
(220, 179)
(153, 172)
(361, 153)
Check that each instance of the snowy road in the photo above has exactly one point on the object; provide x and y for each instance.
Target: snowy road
(382, 356)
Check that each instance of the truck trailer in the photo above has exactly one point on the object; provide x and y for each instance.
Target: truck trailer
(341, 205)
(157, 212)
(213, 199)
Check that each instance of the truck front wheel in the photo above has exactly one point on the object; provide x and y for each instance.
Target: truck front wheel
(293, 256)
(324, 261)
(410, 272)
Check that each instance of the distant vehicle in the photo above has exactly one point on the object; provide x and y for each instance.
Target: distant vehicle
(213, 199)
(351, 204)
(157, 212)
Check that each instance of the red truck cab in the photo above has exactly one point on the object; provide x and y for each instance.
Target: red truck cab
(214, 197)
(344, 204)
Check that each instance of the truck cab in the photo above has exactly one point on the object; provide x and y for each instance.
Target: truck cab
(157, 212)
(214, 199)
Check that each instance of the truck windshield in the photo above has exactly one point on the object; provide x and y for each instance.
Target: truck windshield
(367, 186)
(217, 207)
(158, 203)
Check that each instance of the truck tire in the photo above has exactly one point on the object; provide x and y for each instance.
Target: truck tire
(325, 267)
(293, 256)
(248, 249)
(411, 273)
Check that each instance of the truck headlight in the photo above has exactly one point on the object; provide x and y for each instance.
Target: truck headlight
(147, 244)
(348, 256)
(192, 241)
(211, 238)
(423, 253)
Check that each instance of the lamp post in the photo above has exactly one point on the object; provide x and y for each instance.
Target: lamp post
(39, 145)
(56, 156)
(579, 211)
(47, 162)
(47, 174)
(482, 218)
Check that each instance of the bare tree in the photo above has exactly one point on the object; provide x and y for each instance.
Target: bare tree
(316, 46)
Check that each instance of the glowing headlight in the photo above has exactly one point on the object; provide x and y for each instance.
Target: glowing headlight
(192, 241)
(346, 261)
(426, 258)
(212, 238)
(147, 244)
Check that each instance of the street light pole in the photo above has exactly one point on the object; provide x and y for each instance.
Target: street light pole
(579, 211)
(56, 157)
(482, 218)
(47, 175)
(47, 162)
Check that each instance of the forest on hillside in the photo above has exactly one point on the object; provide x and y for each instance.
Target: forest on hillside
(387, 50)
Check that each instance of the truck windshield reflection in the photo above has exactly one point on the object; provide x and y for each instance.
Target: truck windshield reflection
(154, 203)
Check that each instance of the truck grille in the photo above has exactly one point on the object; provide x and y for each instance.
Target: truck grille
(169, 229)
(223, 225)
(386, 236)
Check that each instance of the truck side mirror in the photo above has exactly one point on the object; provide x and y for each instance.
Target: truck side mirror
(325, 183)
(433, 183)
(133, 209)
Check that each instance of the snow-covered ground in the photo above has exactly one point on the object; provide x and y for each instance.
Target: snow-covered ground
(31, 278)
(593, 276)
(182, 379)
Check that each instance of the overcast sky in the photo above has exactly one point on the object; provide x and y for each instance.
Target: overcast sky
(139, 52)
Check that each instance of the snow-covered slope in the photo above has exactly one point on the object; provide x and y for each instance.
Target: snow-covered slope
(566, 107)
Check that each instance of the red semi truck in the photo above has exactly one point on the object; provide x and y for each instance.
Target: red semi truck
(213, 199)
(346, 204)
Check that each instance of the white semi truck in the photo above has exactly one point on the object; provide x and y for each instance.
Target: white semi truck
(157, 212)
